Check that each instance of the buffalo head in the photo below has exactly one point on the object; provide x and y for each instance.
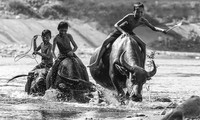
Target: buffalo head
(38, 84)
(136, 77)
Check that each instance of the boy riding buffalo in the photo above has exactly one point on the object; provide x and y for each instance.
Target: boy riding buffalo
(126, 26)
(46, 56)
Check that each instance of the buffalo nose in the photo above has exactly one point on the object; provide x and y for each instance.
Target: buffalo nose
(62, 86)
(137, 98)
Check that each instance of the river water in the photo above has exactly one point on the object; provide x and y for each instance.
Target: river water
(176, 79)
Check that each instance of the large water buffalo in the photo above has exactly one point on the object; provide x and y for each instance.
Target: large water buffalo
(120, 68)
(72, 79)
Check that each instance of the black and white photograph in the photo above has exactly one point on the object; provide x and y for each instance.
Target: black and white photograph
(99, 59)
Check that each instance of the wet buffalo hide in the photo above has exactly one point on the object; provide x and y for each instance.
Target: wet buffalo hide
(72, 80)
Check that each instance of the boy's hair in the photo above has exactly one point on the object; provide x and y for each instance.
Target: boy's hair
(63, 25)
(137, 5)
(46, 32)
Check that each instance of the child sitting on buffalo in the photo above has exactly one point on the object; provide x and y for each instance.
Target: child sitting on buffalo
(63, 41)
(126, 26)
(46, 55)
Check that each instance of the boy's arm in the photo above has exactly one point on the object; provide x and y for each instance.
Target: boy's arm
(53, 48)
(146, 22)
(121, 23)
(73, 43)
(36, 50)
(34, 42)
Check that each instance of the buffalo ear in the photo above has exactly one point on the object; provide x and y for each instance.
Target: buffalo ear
(121, 69)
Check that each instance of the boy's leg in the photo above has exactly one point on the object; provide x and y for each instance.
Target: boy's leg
(110, 39)
(47, 68)
(54, 71)
(101, 52)
(48, 80)
(143, 48)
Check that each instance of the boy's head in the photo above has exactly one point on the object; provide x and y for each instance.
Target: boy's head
(63, 27)
(46, 35)
(138, 9)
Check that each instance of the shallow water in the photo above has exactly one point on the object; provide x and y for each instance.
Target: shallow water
(176, 79)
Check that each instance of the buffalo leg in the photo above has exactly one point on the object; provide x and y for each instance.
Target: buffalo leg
(120, 91)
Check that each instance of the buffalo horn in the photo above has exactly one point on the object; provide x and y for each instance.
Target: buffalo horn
(153, 72)
(124, 63)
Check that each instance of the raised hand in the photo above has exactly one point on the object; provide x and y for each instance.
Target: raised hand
(35, 37)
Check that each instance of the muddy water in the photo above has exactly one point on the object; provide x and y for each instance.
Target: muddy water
(176, 79)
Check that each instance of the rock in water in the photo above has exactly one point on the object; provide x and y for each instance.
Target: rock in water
(188, 109)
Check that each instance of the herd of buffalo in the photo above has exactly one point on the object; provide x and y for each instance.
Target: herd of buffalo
(119, 68)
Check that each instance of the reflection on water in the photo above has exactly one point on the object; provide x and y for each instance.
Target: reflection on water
(96, 114)
(48, 114)
(107, 113)
(58, 111)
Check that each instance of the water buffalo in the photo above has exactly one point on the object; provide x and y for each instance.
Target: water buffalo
(120, 68)
(37, 84)
(72, 79)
